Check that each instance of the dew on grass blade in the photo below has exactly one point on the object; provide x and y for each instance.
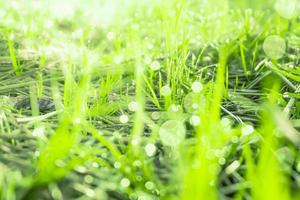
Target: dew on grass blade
(118, 59)
(274, 46)
(286, 8)
(133, 106)
(222, 161)
(197, 87)
(117, 165)
(150, 149)
(89, 192)
(175, 109)
(95, 165)
(38, 132)
(155, 115)
(135, 141)
(137, 163)
(81, 169)
(225, 122)
(247, 130)
(125, 182)
(192, 102)
(88, 179)
(149, 185)
(155, 65)
(172, 133)
(110, 36)
(166, 91)
(195, 120)
(124, 119)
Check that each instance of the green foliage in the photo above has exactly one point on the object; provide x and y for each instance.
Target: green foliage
(90, 91)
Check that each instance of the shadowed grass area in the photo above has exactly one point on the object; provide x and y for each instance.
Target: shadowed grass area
(146, 100)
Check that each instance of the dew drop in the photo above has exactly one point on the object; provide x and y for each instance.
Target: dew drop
(124, 119)
(155, 65)
(77, 120)
(60, 163)
(118, 59)
(137, 163)
(135, 141)
(175, 108)
(195, 120)
(247, 130)
(197, 87)
(89, 192)
(148, 60)
(274, 46)
(38, 132)
(110, 36)
(81, 169)
(150, 149)
(286, 8)
(133, 106)
(155, 115)
(172, 133)
(225, 122)
(222, 161)
(166, 91)
(149, 185)
(94, 164)
(191, 102)
(88, 179)
(117, 165)
(125, 182)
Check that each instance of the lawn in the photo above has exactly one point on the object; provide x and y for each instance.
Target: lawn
(149, 99)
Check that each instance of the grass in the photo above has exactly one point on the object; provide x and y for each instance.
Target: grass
(148, 100)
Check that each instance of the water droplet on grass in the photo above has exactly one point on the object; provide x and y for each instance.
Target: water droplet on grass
(38, 132)
(192, 101)
(247, 130)
(135, 141)
(197, 87)
(81, 169)
(172, 133)
(286, 8)
(110, 36)
(89, 192)
(60, 163)
(124, 119)
(148, 60)
(155, 65)
(125, 182)
(222, 161)
(118, 59)
(94, 164)
(137, 163)
(174, 108)
(155, 115)
(195, 120)
(149, 185)
(133, 106)
(150, 149)
(274, 46)
(166, 91)
(88, 179)
(77, 120)
(225, 122)
(117, 165)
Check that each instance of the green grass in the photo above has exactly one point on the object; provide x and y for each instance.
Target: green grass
(148, 100)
